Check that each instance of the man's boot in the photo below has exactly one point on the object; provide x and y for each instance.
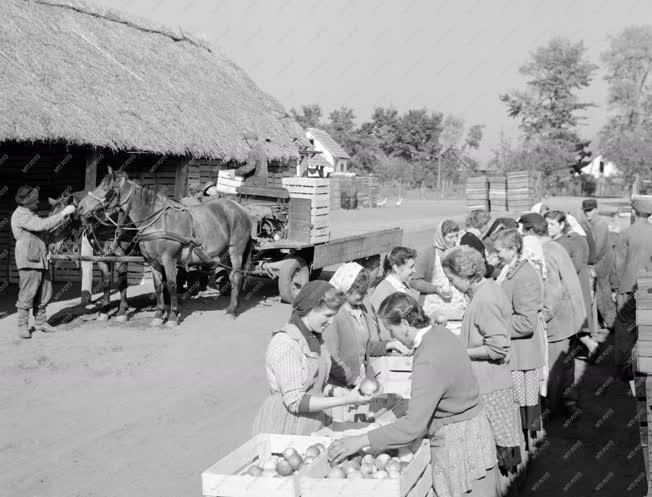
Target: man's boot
(23, 323)
(41, 322)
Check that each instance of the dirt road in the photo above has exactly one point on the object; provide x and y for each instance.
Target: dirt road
(123, 410)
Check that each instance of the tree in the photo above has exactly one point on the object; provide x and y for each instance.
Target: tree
(550, 104)
(549, 110)
(310, 116)
(626, 136)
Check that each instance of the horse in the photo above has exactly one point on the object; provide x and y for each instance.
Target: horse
(171, 234)
(105, 240)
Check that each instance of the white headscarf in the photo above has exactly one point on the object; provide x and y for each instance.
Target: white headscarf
(533, 253)
(345, 276)
(570, 219)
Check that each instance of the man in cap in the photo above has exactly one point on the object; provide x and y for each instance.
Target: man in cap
(633, 252)
(35, 287)
(564, 312)
(255, 169)
(601, 258)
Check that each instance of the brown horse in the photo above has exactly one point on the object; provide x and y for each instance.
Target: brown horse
(170, 234)
(104, 241)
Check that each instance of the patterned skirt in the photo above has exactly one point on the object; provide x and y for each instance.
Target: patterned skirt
(504, 417)
(527, 396)
(461, 453)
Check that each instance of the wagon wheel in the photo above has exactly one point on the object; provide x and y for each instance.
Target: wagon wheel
(293, 274)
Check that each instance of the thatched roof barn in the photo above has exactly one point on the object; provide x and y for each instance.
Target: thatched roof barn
(83, 87)
(79, 73)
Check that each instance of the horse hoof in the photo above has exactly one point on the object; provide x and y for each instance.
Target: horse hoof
(172, 324)
(102, 316)
(121, 318)
(156, 322)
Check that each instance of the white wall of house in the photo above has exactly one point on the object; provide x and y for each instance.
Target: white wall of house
(324, 152)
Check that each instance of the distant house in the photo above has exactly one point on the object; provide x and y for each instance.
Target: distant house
(335, 155)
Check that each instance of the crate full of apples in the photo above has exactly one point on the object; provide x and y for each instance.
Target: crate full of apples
(397, 473)
(269, 464)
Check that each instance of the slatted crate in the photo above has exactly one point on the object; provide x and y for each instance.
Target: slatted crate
(643, 414)
(497, 193)
(317, 190)
(227, 181)
(229, 478)
(477, 193)
(335, 193)
(520, 191)
(414, 481)
(394, 373)
(365, 413)
(642, 355)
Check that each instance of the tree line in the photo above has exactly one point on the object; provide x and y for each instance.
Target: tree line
(423, 147)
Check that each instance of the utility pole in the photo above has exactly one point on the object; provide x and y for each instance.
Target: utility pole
(439, 172)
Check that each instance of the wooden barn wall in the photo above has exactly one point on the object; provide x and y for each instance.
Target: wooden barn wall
(54, 169)
(57, 168)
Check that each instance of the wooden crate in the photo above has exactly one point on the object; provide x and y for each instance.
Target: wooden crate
(642, 353)
(227, 181)
(497, 193)
(335, 193)
(317, 217)
(394, 374)
(365, 413)
(520, 191)
(415, 481)
(477, 193)
(643, 389)
(228, 477)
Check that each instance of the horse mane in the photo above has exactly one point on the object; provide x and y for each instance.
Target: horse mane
(149, 195)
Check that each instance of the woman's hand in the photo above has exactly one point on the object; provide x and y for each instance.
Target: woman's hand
(444, 292)
(345, 447)
(357, 398)
(399, 347)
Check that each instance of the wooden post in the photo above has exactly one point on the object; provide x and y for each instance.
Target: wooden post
(181, 181)
(439, 172)
(86, 249)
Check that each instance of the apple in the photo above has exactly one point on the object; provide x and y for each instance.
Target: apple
(394, 475)
(393, 465)
(321, 448)
(255, 470)
(357, 459)
(289, 452)
(380, 475)
(382, 460)
(269, 473)
(368, 459)
(336, 473)
(312, 451)
(354, 475)
(295, 461)
(269, 465)
(367, 469)
(347, 467)
(307, 460)
(369, 386)
(283, 468)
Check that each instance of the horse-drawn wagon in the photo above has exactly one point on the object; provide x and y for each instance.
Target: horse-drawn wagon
(281, 232)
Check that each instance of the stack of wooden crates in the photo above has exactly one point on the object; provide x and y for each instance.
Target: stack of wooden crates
(520, 191)
(497, 193)
(336, 193)
(477, 193)
(227, 181)
(642, 359)
(317, 190)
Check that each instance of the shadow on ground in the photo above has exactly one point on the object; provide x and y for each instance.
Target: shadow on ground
(597, 454)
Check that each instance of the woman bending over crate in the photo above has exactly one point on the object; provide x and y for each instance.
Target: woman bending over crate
(298, 365)
(445, 406)
(353, 336)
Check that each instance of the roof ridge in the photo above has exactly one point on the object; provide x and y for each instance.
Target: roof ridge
(117, 16)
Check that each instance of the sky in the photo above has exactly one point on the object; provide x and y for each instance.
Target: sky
(450, 56)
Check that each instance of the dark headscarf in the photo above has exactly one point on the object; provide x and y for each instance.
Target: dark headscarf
(308, 298)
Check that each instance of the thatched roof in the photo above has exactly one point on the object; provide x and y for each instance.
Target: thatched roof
(74, 72)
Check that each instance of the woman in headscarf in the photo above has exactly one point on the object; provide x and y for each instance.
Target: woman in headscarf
(353, 336)
(439, 298)
(486, 334)
(523, 286)
(577, 247)
(298, 365)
